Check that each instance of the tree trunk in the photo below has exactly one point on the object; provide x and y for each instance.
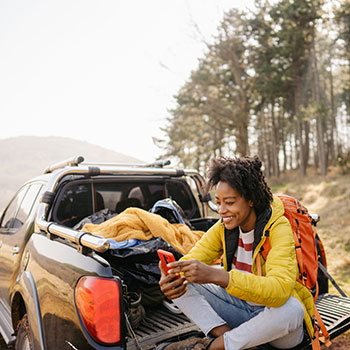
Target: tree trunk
(321, 148)
(299, 123)
(242, 132)
(319, 122)
(274, 143)
(306, 143)
(333, 131)
(293, 157)
(266, 134)
(301, 148)
(282, 125)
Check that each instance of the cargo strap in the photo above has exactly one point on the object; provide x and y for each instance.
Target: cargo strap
(131, 332)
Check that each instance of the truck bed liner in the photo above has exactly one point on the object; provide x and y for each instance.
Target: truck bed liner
(160, 324)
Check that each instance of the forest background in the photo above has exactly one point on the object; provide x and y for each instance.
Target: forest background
(275, 81)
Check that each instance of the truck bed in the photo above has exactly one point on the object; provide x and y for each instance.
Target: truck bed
(161, 324)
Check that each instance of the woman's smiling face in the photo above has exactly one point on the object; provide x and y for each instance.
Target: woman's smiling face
(233, 208)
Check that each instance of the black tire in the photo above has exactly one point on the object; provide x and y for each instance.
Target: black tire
(23, 337)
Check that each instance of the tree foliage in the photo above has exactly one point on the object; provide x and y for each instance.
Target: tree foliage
(271, 83)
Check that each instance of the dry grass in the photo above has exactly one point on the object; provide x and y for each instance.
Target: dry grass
(330, 198)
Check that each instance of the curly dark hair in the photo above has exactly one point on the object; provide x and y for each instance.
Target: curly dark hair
(244, 175)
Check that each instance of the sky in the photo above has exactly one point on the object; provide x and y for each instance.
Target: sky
(101, 71)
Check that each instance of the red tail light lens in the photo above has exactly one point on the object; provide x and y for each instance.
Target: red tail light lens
(98, 304)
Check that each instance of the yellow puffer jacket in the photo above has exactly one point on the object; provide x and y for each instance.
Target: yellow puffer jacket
(279, 271)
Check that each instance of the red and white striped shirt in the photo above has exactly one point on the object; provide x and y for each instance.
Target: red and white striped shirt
(243, 258)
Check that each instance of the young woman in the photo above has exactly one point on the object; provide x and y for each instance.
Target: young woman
(235, 306)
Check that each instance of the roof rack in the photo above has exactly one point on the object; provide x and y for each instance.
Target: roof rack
(75, 161)
(156, 164)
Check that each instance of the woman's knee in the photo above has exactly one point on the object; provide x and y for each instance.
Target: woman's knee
(286, 318)
(293, 311)
(296, 308)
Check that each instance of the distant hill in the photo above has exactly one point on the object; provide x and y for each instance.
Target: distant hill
(24, 157)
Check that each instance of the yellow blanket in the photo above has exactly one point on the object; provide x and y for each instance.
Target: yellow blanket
(140, 224)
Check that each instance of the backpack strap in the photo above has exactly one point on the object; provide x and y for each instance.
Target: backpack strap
(264, 251)
(266, 247)
(258, 264)
(315, 341)
(298, 252)
(325, 338)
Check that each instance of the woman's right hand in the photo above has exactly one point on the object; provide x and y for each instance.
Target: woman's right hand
(172, 285)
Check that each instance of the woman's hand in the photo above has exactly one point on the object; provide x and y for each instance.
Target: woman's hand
(172, 285)
(195, 271)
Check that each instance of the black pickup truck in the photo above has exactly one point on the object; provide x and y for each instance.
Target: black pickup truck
(63, 288)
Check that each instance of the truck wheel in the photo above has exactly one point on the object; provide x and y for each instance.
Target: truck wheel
(23, 338)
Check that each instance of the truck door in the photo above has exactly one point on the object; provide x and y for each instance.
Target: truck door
(15, 229)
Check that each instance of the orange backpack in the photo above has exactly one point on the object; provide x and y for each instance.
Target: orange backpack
(304, 239)
(306, 253)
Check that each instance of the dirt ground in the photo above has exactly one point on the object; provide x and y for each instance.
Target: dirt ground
(340, 343)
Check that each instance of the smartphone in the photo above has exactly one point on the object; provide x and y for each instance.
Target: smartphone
(166, 258)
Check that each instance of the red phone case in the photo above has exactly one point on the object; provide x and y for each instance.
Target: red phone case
(166, 258)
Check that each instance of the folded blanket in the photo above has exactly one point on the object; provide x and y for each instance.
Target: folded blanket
(140, 224)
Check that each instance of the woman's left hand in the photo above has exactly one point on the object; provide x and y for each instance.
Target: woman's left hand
(197, 272)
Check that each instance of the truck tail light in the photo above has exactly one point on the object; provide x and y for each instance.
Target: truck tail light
(98, 302)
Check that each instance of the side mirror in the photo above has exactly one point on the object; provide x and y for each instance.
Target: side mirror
(206, 198)
(213, 206)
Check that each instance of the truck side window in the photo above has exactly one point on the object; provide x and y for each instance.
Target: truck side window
(27, 203)
(21, 206)
(9, 217)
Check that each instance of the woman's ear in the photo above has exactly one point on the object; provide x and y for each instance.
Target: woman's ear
(251, 204)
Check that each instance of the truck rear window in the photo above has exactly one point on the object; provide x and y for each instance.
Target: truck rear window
(79, 200)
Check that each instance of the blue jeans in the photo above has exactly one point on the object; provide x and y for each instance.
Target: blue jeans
(210, 306)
